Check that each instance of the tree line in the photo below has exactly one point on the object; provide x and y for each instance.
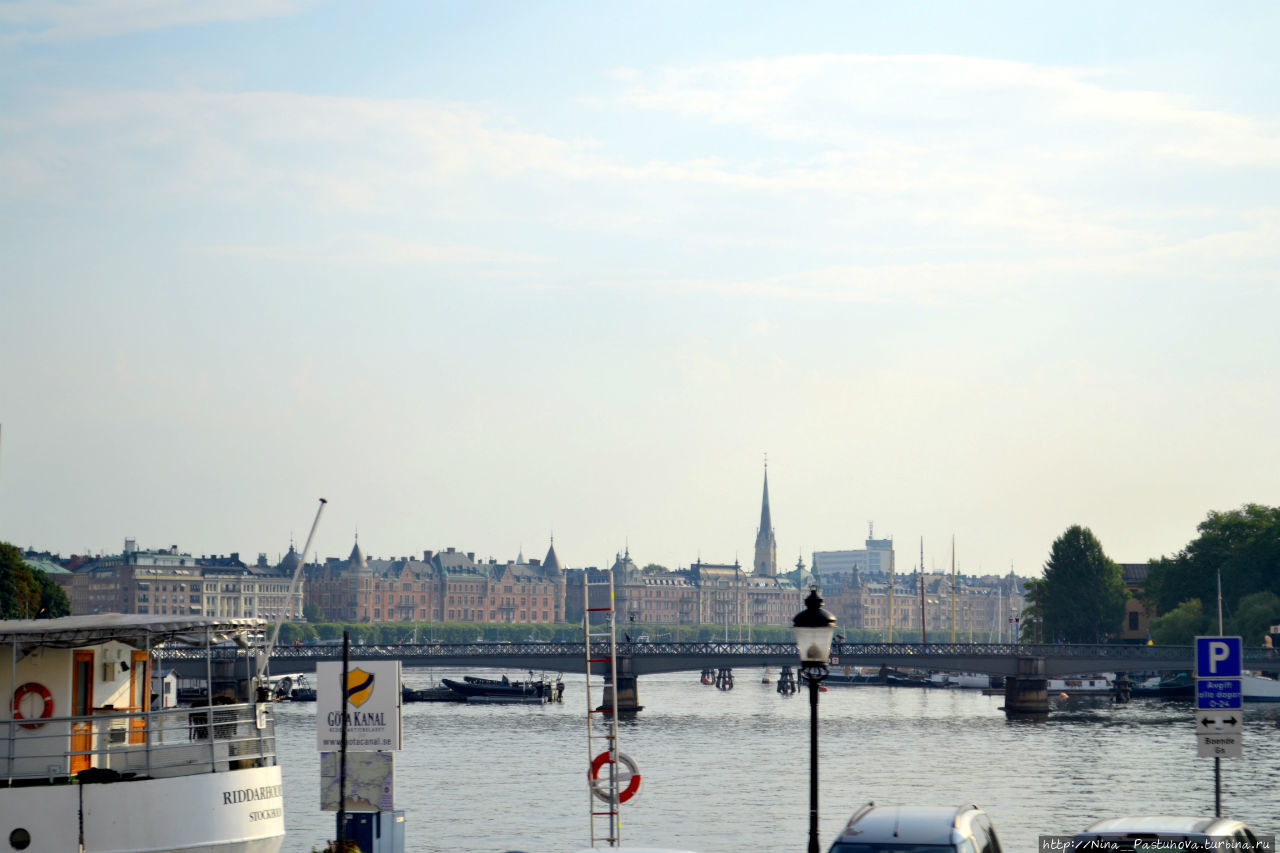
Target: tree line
(1081, 596)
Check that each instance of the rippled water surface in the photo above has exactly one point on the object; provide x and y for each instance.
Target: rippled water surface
(728, 770)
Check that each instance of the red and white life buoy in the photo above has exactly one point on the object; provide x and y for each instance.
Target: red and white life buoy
(600, 787)
(22, 693)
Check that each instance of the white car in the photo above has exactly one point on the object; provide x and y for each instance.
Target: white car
(1166, 832)
(917, 829)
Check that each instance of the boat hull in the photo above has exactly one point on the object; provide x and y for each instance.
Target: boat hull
(238, 811)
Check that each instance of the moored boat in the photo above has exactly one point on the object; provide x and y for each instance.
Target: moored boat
(90, 762)
(430, 694)
(1260, 688)
(504, 690)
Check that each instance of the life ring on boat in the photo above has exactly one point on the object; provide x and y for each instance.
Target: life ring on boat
(41, 691)
(599, 786)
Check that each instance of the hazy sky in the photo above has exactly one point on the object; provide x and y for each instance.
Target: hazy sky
(481, 272)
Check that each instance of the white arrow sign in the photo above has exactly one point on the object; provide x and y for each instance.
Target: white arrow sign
(1218, 722)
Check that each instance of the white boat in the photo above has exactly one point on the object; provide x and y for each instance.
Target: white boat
(964, 680)
(1258, 688)
(1099, 683)
(88, 766)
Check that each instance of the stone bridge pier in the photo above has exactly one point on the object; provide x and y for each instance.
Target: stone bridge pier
(1026, 695)
(627, 689)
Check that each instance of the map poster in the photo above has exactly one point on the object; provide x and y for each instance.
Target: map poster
(370, 699)
(370, 781)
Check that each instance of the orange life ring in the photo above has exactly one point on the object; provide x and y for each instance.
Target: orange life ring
(593, 775)
(41, 691)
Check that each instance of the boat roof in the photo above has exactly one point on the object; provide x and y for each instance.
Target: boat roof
(133, 628)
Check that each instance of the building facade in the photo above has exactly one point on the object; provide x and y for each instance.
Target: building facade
(444, 586)
(169, 582)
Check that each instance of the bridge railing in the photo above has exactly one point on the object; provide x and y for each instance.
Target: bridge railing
(1121, 653)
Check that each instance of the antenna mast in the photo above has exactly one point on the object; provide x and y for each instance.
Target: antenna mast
(264, 660)
(924, 636)
(953, 587)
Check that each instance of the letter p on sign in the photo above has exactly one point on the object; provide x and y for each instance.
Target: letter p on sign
(1218, 657)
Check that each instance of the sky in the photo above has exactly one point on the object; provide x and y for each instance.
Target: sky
(481, 274)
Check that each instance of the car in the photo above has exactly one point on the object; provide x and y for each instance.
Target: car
(917, 829)
(1124, 834)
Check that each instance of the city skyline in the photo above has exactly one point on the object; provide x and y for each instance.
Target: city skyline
(482, 275)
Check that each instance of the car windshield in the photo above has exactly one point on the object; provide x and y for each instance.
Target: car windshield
(888, 847)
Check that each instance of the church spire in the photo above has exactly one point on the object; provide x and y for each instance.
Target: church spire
(766, 562)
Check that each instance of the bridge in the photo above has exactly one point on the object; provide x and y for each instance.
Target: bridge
(1024, 666)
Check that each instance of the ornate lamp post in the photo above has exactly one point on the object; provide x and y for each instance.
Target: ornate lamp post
(814, 628)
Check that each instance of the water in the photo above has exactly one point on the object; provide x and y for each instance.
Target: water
(728, 770)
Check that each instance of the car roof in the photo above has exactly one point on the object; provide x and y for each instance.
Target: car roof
(906, 824)
(1162, 825)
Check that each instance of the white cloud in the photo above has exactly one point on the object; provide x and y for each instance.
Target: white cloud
(919, 178)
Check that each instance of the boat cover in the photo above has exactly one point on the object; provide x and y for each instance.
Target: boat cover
(138, 630)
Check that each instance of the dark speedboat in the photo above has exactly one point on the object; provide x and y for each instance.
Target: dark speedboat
(1180, 686)
(504, 690)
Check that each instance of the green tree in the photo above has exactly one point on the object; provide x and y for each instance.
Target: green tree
(1033, 613)
(53, 598)
(1242, 545)
(1254, 616)
(1083, 595)
(655, 567)
(312, 613)
(1181, 625)
(19, 589)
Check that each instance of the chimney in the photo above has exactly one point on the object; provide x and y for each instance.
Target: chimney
(426, 556)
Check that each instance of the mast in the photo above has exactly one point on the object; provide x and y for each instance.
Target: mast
(891, 596)
(293, 588)
(953, 587)
(924, 634)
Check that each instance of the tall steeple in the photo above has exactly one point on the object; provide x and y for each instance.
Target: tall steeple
(766, 564)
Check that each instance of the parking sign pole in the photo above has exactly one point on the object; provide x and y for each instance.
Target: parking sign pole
(1217, 787)
(1219, 704)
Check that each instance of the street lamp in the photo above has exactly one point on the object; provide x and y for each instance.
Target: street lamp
(814, 628)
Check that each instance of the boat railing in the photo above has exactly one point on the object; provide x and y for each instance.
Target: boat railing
(115, 745)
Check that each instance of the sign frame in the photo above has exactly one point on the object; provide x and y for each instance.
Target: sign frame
(1219, 745)
(1212, 651)
(1219, 694)
(1219, 721)
(373, 723)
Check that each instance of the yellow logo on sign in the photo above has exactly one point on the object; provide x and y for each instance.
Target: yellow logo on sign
(359, 686)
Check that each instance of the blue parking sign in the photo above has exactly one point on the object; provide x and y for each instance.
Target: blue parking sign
(1219, 657)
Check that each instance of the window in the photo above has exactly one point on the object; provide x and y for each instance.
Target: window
(1133, 620)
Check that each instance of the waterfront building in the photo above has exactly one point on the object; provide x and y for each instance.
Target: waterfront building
(170, 582)
(876, 557)
(985, 607)
(444, 586)
(1138, 610)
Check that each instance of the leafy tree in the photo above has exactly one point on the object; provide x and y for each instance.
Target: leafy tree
(53, 598)
(655, 567)
(19, 589)
(1033, 613)
(312, 613)
(1181, 625)
(1083, 595)
(1243, 545)
(1254, 616)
